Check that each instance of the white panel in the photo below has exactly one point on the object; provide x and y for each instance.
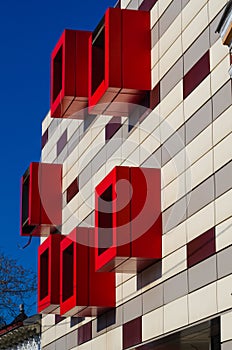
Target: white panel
(200, 222)
(226, 329)
(153, 324)
(176, 314)
(224, 234)
(202, 303)
(223, 207)
(174, 263)
(224, 297)
(174, 239)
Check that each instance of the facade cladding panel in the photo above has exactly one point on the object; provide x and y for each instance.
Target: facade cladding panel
(182, 300)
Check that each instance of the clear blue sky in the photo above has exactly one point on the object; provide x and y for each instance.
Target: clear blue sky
(29, 31)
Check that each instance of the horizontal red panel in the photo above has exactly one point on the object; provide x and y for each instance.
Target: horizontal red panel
(49, 275)
(128, 222)
(79, 284)
(41, 199)
(69, 75)
(201, 248)
(120, 63)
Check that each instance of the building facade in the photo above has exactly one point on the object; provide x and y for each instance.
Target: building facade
(169, 119)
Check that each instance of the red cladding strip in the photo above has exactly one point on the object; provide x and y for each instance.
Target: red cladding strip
(196, 74)
(201, 248)
(85, 333)
(132, 333)
(72, 190)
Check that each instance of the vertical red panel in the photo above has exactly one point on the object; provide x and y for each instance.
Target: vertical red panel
(41, 199)
(146, 222)
(49, 275)
(69, 75)
(117, 181)
(74, 267)
(136, 50)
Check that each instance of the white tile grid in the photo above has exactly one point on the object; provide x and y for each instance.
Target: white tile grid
(190, 11)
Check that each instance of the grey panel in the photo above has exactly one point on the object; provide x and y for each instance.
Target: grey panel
(173, 76)
(89, 220)
(175, 287)
(51, 346)
(199, 121)
(52, 127)
(84, 176)
(62, 156)
(154, 161)
(61, 343)
(224, 262)
(202, 274)
(153, 299)
(99, 326)
(173, 145)
(73, 141)
(89, 119)
(113, 144)
(227, 345)
(154, 35)
(213, 26)
(196, 50)
(133, 5)
(72, 339)
(174, 215)
(132, 309)
(169, 15)
(222, 100)
(184, 3)
(223, 179)
(201, 196)
(98, 160)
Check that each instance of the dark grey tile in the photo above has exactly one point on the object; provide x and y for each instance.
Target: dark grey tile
(73, 141)
(200, 46)
(132, 309)
(202, 274)
(169, 16)
(223, 179)
(153, 299)
(199, 121)
(114, 318)
(222, 100)
(61, 143)
(72, 340)
(175, 214)
(201, 196)
(173, 145)
(175, 287)
(173, 76)
(224, 262)
(89, 119)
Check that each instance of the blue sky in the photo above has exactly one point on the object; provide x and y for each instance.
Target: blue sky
(29, 31)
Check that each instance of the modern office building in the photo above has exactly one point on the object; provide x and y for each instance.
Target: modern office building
(132, 198)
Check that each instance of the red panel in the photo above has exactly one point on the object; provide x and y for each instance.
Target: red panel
(114, 210)
(134, 220)
(146, 219)
(41, 199)
(84, 292)
(49, 275)
(127, 61)
(201, 248)
(69, 75)
(74, 267)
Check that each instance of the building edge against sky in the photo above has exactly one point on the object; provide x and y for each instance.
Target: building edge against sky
(169, 279)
